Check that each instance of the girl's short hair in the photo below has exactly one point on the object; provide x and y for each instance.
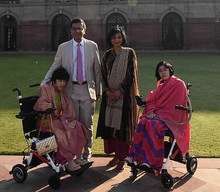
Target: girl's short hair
(165, 64)
(60, 74)
(114, 31)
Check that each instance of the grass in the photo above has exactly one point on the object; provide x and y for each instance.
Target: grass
(200, 69)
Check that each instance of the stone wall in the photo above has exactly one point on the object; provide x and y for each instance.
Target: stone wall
(143, 19)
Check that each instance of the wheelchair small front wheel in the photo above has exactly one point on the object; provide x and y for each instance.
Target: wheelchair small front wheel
(19, 173)
(167, 180)
(54, 181)
(191, 165)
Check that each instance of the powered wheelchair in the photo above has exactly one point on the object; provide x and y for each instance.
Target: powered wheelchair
(172, 151)
(29, 120)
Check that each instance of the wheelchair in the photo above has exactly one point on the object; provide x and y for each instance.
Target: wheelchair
(29, 120)
(172, 151)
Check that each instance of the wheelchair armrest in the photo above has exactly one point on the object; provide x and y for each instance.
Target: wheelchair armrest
(34, 113)
(49, 110)
(180, 107)
(35, 85)
(139, 100)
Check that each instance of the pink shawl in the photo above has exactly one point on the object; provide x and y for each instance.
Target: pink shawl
(163, 101)
(70, 133)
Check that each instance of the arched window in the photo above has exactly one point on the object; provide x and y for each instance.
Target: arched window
(115, 19)
(172, 31)
(10, 34)
(60, 30)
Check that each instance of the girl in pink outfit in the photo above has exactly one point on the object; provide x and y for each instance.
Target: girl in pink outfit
(70, 133)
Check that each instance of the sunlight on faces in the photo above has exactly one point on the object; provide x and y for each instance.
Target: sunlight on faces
(132, 2)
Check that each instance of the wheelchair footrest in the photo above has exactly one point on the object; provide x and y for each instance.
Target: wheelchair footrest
(83, 168)
(141, 167)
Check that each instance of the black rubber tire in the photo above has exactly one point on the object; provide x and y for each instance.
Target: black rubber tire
(191, 165)
(167, 180)
(19, 173)
(54, 181)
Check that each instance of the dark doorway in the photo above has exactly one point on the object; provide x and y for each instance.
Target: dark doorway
(114, 20)
(10, 34)
(172, 32)
(60, 30)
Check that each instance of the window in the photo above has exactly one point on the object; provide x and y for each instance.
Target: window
(172, 32)
(10, 35)
(60, 30)
(9, 1)
(115, 19)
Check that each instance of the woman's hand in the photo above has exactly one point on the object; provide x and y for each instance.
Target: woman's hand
(117, 94)
(113, 96)
(46, 106)
(152, 115)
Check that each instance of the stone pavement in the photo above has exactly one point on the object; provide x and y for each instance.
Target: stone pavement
(99, 178)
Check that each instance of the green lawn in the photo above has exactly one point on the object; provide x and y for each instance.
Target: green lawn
(200, 69)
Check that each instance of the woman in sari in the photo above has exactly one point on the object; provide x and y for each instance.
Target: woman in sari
(147, 148)
(118, 112)
(70, 133)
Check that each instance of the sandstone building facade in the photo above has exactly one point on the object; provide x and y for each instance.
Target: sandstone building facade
(41, 25)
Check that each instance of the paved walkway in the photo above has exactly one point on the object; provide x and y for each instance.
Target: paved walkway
(99, 178)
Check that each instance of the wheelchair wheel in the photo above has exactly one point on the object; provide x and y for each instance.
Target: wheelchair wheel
(191, 165)
(54, 181)
(19, 173)
(167, 180)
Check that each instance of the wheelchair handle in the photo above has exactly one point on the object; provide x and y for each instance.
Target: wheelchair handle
(35, 85)
(18, 90)
(188, 85)
(139, 100)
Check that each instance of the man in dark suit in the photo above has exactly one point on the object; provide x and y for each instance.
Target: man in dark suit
(83, 93)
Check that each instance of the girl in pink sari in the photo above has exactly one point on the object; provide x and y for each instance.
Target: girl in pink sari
(147, 148)
(70, 133)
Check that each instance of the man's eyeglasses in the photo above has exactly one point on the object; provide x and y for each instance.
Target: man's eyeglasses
(161, 71)
(77, 28)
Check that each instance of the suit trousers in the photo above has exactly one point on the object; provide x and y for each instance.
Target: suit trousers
(84, 108)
